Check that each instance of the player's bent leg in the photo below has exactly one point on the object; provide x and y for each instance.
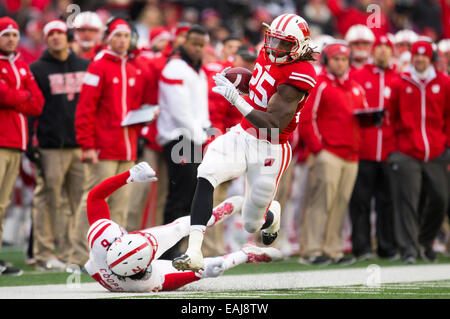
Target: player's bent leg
(223, 161)
(256, 203)
(193, 258)
(270, 232)
(170, 234)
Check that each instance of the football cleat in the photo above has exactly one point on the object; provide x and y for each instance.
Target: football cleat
(269, 234)
(189, 261)
(267, 238)
(262, 254)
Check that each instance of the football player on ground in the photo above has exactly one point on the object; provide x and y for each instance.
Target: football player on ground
(128, 262)
(257, 147)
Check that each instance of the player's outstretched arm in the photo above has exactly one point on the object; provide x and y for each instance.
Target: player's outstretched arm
(97, 208)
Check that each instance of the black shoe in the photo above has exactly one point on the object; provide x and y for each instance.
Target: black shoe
(267, 238)
(365, 256)
(6, 270)
(393, 257)
(409, 259)
(428, 254)
(315, 260)
(344, 261)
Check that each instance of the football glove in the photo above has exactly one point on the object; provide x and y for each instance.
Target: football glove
(142, 173)
(214, 267)
(227, 89)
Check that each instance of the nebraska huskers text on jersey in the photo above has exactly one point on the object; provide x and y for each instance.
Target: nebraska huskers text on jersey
(265, 81)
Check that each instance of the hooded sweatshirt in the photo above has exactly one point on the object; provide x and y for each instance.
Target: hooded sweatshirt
(60, 83)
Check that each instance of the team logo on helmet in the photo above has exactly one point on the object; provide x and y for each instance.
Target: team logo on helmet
(286, 39)
(131, 254)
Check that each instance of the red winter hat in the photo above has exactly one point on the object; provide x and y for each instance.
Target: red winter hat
(116, 26)
(158, 33)
(422, 47)
(181, 27)
(8, 25)
(383, 39)
(53, 25)
(335, 49)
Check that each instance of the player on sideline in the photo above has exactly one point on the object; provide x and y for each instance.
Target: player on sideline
(128, 262)
(257, 147)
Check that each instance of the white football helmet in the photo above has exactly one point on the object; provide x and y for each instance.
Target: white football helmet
(360, 39)
(444, 45)
(286, 39)
(359, 33)
(405, 37)
(131, 253)
(88, 20)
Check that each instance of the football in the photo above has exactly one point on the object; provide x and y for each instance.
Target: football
(240, 77)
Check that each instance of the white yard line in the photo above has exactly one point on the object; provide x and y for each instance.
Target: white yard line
(284, 280)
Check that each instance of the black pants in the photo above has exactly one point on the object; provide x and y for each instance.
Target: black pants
(183, 158)
(420, 198)
(372, 183)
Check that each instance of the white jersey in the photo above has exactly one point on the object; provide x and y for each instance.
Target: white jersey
(100, 236)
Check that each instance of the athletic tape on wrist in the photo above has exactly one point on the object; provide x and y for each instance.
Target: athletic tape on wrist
(243, 106)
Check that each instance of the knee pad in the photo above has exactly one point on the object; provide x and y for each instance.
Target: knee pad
(262, 192)
(258, 200)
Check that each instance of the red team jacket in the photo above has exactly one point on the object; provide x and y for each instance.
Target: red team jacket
(328, 120)
(264, 83)
(421, 115)
(112, 87)
(377, 84)
(19, 96)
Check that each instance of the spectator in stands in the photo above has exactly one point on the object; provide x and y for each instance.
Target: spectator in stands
(111, 88)
(420, 107)
(182, 123)
(331, 133)
(378, 141)
(59, 73)
(19, 96)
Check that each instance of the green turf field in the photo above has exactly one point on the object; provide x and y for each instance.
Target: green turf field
(416, 290)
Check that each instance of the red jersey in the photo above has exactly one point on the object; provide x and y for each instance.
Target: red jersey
(265, 81)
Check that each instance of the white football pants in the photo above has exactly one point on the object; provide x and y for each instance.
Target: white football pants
(236, 153)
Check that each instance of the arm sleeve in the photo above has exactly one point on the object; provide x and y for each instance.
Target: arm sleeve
(97, 208)
(174, 279)
(300, 75)
(309, 129)
(90, 94)
(35, 104)
(11, 97)
(392, 106)
(447, 112)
